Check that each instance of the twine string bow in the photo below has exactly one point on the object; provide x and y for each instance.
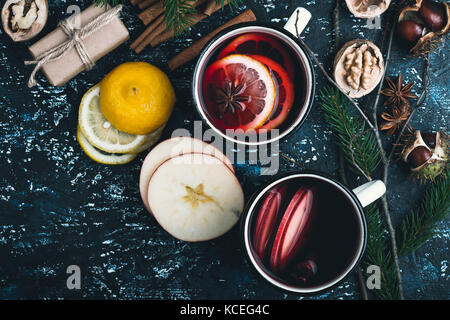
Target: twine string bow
(75, 39)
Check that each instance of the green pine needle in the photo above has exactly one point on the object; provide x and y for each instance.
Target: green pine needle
(377, 253)
(358, 144)
(418, 227)
(359, 147)
(104, 3)
(179, 14)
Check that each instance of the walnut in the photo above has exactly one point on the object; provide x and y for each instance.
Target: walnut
(24, 19)
(23, 15)
(358, 67)
(367, 8)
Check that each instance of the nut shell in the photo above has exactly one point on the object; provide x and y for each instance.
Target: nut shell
(36, 27)
(367, 9)
(428, 41)
(417, 150)
(346, 76)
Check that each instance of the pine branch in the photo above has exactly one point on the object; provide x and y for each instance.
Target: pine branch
(377, 253)
(418, 227)
(358, 144)
(179, 14)
(104, 3)
(360, 150)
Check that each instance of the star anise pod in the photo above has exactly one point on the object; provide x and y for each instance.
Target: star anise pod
(229, 97)
(392, 122)
(397, 93)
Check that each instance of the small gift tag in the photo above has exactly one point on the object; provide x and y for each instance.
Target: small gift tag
(300, 17)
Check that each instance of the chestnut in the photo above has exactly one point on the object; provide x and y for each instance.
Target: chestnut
(410, 31)
(419, 156)
(429, 138)
(433, 14)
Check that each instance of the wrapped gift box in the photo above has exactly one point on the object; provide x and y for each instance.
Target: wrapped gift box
(97, 44)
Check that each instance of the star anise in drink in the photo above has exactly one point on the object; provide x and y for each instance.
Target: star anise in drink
(393, 122)
(229, 97)
(397, 93)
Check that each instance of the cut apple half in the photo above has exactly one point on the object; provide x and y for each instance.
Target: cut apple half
(195, 197)
(293, 232)
(171, 148)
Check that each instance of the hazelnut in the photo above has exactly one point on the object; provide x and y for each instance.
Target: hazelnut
(367, 9)
(24, 19)
(410, 31)
(433, 13)
(358, 67)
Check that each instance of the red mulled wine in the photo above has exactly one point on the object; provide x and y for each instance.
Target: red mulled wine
(305, 232)
(253, 82)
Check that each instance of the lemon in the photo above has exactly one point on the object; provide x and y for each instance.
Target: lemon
(99, 132)
(99, 156)
(151, 140)
(137, 98)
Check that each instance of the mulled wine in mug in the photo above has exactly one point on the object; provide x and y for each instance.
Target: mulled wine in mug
(305, 232)
(255, 81)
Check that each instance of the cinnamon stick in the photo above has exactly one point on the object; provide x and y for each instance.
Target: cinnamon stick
(193, 51)
(138, 44)
(151, 13)
(211, 6)
(143, 4)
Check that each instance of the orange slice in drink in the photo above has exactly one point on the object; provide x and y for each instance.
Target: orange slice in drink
(239, 93)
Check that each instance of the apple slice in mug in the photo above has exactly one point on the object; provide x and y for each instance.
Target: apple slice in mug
(195, 197)
(267, 218)
(293, 233)
(169, 149)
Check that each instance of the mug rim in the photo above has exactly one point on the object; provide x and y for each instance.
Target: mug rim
(245, 230)
(309, 68)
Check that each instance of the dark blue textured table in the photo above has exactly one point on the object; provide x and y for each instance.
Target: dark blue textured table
(58, 207)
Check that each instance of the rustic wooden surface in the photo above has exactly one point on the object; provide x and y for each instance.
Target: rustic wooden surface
(59, 208)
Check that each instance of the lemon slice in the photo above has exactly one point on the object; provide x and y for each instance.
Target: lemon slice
(99, 132)
(100, 156)
(151, 140)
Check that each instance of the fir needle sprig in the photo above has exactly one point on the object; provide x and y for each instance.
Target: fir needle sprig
(179, 14)
(360, 150)
(104, 3)
(418, 227)
(358, 144)
(377, 254)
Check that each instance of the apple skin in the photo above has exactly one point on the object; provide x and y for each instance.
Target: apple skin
(168, 149)
(208, 218)
(293, 233)
(267, 219)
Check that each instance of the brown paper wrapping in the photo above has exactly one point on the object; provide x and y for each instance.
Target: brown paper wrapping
(98, 44)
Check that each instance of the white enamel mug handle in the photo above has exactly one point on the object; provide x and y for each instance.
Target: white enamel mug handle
(303, 18)
(369, 192)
